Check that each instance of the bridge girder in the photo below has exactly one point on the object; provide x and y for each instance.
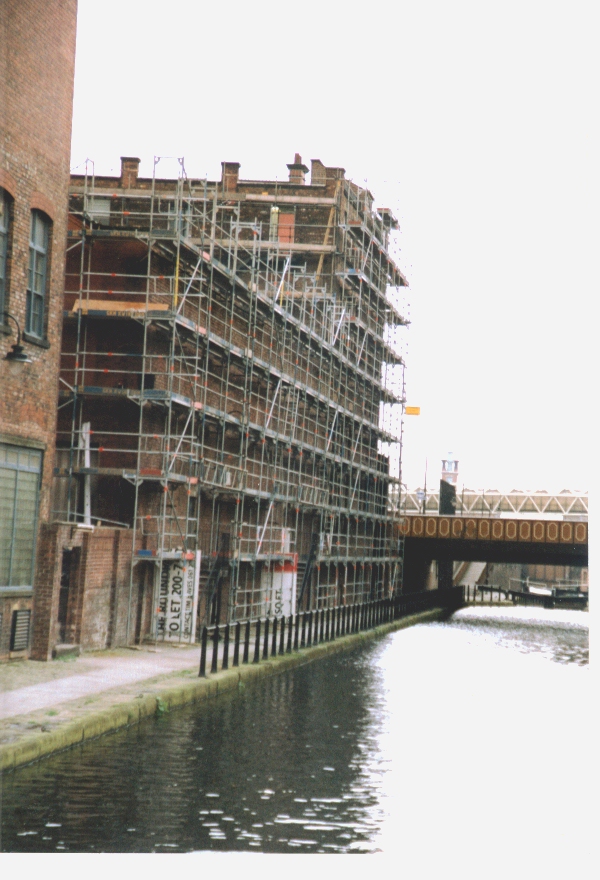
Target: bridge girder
(521, 503)
(441, 549)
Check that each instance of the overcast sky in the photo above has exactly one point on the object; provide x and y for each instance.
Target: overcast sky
(474, 121)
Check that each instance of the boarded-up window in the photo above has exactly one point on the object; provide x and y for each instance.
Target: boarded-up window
(286, 228)
(20, 470)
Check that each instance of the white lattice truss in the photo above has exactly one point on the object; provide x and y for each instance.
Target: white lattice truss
(539, 504)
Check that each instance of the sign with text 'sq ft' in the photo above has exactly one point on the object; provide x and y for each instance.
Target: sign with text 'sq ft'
(412, 411)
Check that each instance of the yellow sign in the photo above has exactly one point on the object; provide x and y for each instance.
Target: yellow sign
(413, 411)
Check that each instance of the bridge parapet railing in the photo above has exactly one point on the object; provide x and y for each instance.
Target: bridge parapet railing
(493, 594)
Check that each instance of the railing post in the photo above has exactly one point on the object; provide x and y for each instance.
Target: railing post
(327, 622)
(247, 642)
(203, 641)
(225, 663)
(322, 638)
(288, 649)
(274, 639)
(265, 654)
(303, 639)
(282, 636)
(309, 636)
(215, 650)
(257, 643)
(236, 644)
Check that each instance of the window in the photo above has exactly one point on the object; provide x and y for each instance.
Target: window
(38, 266)
(20, 470)
(4, 233)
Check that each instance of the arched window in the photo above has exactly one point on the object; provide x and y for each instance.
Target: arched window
(39, 238)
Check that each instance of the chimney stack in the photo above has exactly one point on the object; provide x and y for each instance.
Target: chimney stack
(230, 172)
(298, 171)
(130, 165)
(318, 173)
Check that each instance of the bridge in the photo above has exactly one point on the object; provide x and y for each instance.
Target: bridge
(509, 540)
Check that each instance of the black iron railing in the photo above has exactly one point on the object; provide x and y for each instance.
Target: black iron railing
(266, 638)
(495, 595)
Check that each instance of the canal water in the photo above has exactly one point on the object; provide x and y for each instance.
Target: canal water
(469, 736)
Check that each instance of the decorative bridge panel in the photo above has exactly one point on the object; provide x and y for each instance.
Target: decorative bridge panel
(480, 529)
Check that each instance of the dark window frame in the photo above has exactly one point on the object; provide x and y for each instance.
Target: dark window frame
(28, 461)
(6, 209)
(38, 275)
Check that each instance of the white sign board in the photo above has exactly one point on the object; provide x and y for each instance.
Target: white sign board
(175, 611)
(278, 584)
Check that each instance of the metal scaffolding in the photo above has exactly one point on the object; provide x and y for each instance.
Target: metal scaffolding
(232, 389)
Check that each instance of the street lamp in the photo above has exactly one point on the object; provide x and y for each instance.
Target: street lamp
(17, 354)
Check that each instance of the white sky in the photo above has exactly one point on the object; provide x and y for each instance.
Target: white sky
(475, 122)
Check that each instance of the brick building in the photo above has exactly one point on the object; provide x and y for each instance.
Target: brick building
(231, 392)
(37, 55)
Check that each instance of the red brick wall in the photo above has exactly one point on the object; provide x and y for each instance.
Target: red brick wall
(36, 96)
(98, 594)
(37, 58)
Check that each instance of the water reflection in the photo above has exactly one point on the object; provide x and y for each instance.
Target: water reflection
(357, 753)
(562, 636)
